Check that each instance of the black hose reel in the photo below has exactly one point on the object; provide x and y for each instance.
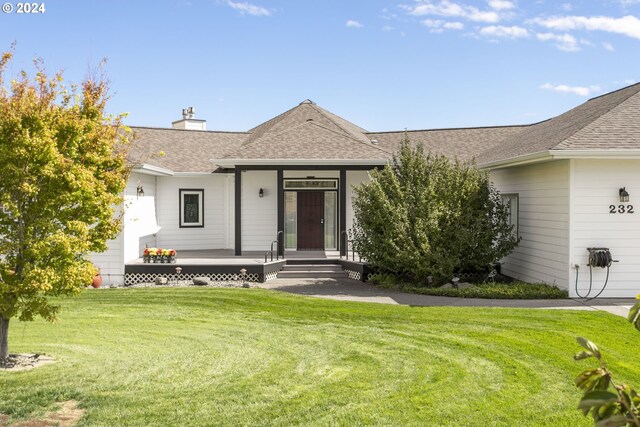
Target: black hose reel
(598, 257)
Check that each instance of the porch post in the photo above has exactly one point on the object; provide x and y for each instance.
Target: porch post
(238, 211)
(343, 211)
(280, 211)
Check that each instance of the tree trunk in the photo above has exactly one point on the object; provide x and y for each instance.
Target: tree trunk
(4, 340)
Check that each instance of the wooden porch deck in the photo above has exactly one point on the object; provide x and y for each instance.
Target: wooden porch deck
(228, 257)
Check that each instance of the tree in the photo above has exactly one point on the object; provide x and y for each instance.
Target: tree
(426, 216)
(63, 172)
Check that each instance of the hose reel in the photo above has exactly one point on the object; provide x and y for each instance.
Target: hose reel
(598, 257)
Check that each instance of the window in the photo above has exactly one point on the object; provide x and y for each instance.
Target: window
(310, 184)
(191, 208)
(512, 202)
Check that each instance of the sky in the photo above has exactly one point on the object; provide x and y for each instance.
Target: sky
(383, 65)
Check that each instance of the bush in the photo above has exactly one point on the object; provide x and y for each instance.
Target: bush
(513, 290)
(427, 216)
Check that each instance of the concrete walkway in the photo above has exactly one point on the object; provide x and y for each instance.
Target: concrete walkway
(353, 290)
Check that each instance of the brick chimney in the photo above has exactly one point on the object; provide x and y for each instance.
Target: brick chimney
(189, 121)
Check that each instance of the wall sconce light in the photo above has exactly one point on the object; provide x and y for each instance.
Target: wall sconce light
(139, 190)
(261, 193)
(624, 196)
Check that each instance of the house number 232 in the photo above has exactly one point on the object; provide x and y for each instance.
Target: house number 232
(613, 209)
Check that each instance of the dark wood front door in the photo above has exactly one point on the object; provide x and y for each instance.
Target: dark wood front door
(310, 220)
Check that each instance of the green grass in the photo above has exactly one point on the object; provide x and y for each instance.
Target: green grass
(192, 357)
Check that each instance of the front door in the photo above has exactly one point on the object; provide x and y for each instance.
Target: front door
(310, 220)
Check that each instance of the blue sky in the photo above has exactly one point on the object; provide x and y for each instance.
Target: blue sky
(384, 65)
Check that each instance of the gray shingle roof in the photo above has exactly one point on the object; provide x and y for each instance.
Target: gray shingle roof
(463, 144)
(310, 140)
(185, 150)
(607, 122)
(308, 132)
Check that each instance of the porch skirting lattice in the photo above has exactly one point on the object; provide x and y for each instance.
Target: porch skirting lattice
(135, 278)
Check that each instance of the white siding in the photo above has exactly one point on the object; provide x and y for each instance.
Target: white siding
(139, 221)
(110, 262)
(354, 178)
(595, 185)
(543, 252)
(139, 214)
(214, 234)
(259, 214)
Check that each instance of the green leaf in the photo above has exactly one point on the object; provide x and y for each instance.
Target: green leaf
(597, 398)
(583, 355)
(588, 345)
(593, 379)
(615, 421)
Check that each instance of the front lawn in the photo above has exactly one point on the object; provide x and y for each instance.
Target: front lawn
(193, 357)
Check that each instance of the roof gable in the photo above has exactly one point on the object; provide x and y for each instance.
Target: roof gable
(618, 128)
(309, 140)
(304, 112)
(571, 130)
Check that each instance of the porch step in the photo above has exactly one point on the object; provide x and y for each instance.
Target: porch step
(315, 267)
(312, 271)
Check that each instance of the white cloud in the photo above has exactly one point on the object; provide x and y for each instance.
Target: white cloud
(501, 4)
(627, 25)
(512, 32)
(576, 90)
(565, 42)
(353, 24)
(251, 9)
(568, 7)
(387, 28)
(438, 25)
(453, 25)
(449, 9)
(608, 46)
(432, 23)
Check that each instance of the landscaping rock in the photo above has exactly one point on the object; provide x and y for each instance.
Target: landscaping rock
(446, 286)
(201, 281)
(161, 281)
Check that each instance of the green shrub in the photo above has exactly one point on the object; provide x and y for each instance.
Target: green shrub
(498, 290)
(427, 216)
(515, 290)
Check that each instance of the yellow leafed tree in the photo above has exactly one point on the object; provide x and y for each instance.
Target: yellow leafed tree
(64, 170)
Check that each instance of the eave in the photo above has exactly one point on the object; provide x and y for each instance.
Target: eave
(232, 163)
(148, 169)
(562, 155)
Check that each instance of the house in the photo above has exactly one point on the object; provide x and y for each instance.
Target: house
(289, 180)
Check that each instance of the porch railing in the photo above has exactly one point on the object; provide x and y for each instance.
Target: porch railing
(346, 242)
(278, 242)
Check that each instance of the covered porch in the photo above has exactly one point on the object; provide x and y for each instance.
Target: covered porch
(224, 264)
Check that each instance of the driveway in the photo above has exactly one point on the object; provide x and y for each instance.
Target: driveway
(354, 290)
